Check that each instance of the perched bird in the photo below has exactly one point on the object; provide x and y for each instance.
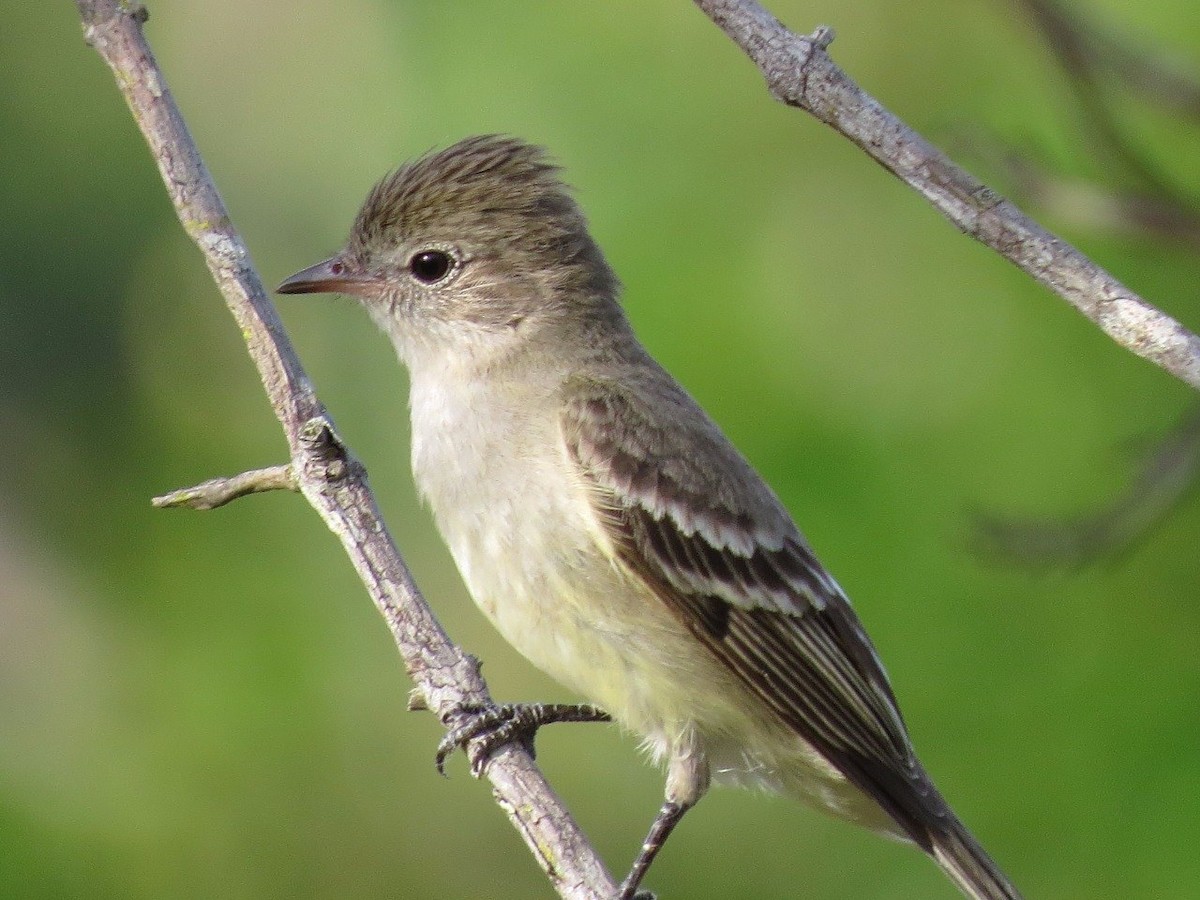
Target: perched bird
(603, 522)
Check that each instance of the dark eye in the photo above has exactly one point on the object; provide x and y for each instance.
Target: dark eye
(430, 266)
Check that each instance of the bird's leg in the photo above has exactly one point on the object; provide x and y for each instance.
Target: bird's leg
(687, 780)
(664, 823)
(488, 728)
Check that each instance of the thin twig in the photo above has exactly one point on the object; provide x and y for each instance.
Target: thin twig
(324, 472)
(800, 73)
(219, 491)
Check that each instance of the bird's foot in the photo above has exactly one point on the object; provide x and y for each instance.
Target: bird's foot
(664, 823)
(484, 730)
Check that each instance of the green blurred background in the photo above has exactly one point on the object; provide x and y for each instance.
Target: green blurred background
(207, 705)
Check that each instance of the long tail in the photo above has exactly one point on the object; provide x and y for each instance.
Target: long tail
(968, 865)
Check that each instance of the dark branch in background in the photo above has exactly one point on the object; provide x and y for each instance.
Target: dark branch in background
(321, 467)
(1084, 46)
(1095, 63)
(1138, 202)
(1084, 53)
(1171, 86)
(800, 73)
(1163, 476)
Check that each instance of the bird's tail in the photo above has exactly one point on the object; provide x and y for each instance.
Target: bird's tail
(968, 865)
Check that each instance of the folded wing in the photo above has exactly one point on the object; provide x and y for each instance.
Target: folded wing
(687, 514)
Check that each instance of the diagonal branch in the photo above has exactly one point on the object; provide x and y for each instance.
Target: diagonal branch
(333, 482)
(800, 73)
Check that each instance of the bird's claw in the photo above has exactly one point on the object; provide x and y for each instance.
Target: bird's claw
(486, 729)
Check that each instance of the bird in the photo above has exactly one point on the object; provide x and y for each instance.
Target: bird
(603, 522)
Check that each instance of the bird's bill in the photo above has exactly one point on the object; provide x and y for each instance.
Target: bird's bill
(331, 276)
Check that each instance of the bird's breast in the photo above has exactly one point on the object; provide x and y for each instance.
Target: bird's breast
(515, 514)
(491, 466)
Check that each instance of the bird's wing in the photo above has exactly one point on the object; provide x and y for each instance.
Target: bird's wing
(688, 515)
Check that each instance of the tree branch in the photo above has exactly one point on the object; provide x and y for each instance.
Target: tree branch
(219, 491)
(800, 73)
(333, 482)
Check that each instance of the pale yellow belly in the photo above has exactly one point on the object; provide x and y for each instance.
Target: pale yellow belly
(537, 564)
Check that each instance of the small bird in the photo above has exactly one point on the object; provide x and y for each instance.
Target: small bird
(602, 521)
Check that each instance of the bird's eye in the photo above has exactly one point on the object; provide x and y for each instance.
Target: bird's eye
(430, 266)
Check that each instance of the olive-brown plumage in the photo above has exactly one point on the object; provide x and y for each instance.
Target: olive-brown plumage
(604, 523)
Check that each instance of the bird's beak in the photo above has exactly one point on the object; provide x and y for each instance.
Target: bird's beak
(332, 276)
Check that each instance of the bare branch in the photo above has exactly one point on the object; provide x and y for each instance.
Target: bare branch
(448, 679)
(1133, 199)
(219, 491)
(1121, 211)
(800, 73)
